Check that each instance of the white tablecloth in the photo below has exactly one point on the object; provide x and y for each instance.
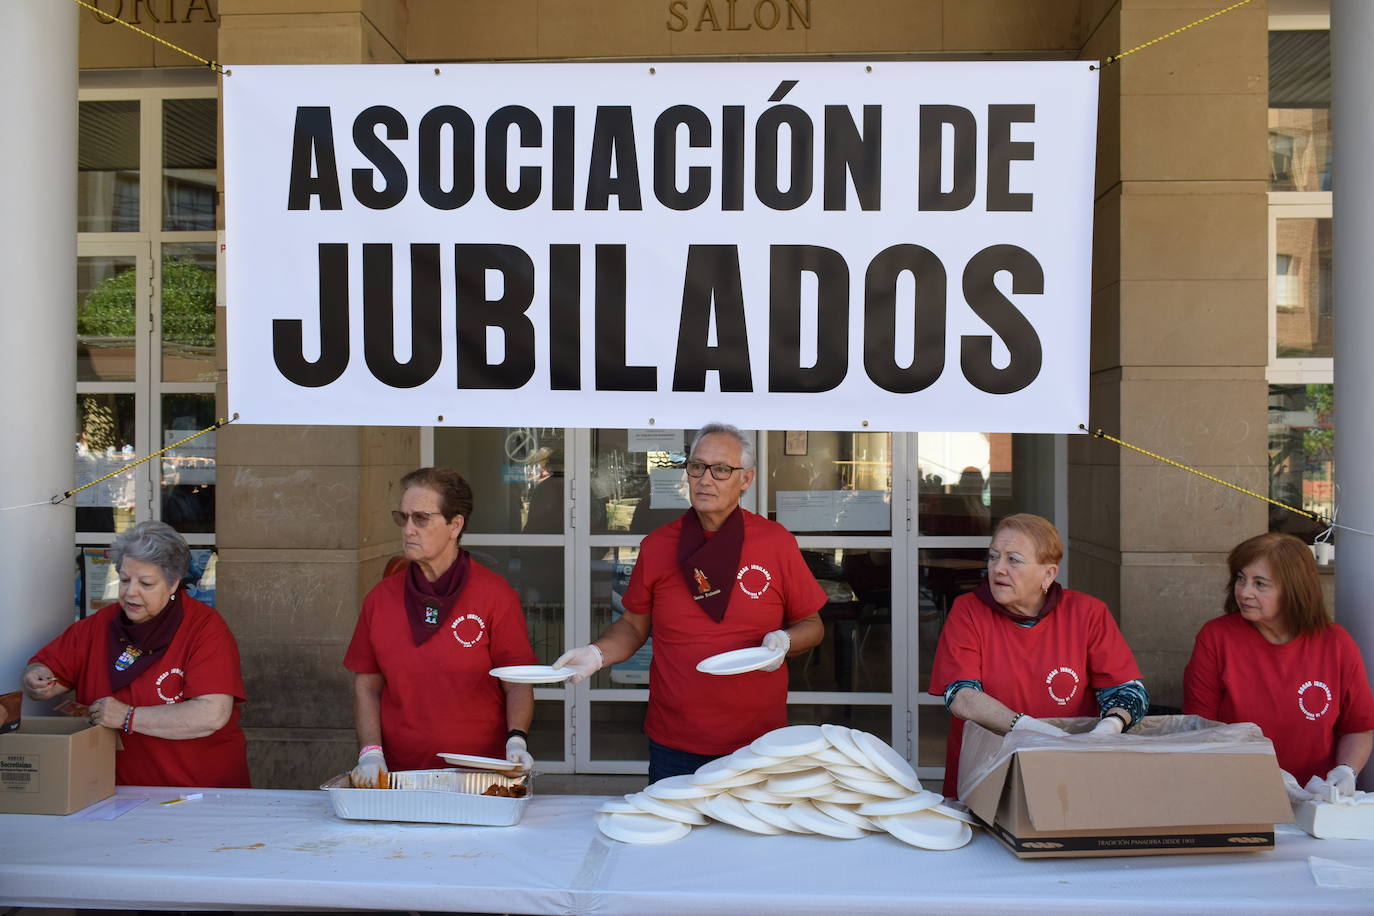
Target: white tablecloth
(255, 849)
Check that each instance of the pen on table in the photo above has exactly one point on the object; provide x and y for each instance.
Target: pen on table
(176, 801)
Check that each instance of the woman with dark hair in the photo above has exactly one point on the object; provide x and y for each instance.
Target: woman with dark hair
(425, 640)
(1275, 658)
(1021, 647)
(159, 666)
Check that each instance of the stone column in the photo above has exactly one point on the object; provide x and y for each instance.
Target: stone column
(1179, 324)
(38, 62)
(1352, 72)
(302, 529)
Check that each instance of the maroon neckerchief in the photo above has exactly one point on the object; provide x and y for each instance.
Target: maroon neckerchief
(709, 564)
(984, 594)
(429, 604)
(133, 647)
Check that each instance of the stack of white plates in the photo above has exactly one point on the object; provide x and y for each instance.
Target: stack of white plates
(826, 780)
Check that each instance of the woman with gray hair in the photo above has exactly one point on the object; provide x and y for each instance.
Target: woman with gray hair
(159, 666)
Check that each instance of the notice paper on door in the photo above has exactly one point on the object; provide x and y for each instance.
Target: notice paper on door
(834, 510)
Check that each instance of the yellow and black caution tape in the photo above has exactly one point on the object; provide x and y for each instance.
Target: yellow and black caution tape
(68, 494)
(1113, 58)
(1099, 434)
(146, 34)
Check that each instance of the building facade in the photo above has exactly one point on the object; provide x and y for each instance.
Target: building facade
(1210, 323)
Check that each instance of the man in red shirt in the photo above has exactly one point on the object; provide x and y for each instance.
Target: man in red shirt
(718, 578)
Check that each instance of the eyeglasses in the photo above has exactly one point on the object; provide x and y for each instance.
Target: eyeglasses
(718, 471)
(421, 519)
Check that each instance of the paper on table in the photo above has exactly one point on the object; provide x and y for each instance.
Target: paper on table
(109, 809)
(1330, 873)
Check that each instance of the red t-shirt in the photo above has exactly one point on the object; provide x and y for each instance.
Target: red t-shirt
(705, 713)
(438, 697)
(1048, 670)
(202, 659)
(1303, 694)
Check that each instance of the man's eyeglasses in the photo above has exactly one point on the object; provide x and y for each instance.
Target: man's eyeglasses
(718, 471)
(421, 519)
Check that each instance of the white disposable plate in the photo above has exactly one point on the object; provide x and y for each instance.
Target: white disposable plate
(642, 828)
(829, 755)
(852, 772)
(845, 814)
(740, 661)
(775, 815)
(798, 783)
(927, 829)
(532, 674)
(745, 759)
(757, 793)
(677, 788)
(666, 809)
(812, 818)
(730, 810)
(920, 801)
(793, 765)
(842, 795)
(879, 787)
(713, 771)
(790, 741)
(957, 810)
(618, 806)
(887, 760)
(473, 762)
(842, 740)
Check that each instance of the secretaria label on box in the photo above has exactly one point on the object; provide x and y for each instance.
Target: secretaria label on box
(19, 773)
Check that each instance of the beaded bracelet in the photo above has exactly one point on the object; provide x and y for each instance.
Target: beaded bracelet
(128, 720)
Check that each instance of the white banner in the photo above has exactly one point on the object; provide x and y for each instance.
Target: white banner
(890, 246)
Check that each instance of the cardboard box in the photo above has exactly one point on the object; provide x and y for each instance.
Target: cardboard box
(1174, 784)
(55, 765)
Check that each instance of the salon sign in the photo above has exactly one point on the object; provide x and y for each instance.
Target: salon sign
(847, 246)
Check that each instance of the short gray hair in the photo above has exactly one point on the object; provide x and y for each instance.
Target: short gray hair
(746, 444)
(157, 544)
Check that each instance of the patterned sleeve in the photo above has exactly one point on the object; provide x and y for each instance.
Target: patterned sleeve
(1130, 696)
(954, 687)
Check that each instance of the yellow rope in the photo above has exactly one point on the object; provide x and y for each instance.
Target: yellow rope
(1099, 434)
(146, 34)
(129, 467)
(1113, 58)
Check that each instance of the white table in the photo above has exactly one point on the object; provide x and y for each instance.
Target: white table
(255, 849)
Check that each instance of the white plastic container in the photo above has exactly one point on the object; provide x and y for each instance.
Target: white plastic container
(443, 796)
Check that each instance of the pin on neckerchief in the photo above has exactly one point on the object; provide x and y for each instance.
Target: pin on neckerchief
(127, 658)
(431, 614)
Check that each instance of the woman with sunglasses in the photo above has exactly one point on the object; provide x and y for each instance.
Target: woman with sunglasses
(425, 640)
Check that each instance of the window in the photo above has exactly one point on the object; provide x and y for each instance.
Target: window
(1301, 300)
(145, 326)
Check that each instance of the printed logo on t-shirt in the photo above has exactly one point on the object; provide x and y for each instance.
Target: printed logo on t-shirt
(754, 580)
(1314, 699)
(468, 629)
(171, 684)
(1062, 683)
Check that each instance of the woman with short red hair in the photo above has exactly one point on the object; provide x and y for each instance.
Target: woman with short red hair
(1275, 658)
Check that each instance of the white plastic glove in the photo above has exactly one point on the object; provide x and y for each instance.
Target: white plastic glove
(518, 753)
(584, 660)
(371, 772)
(1108, 725)
(1342, 781)
(778, 639)
(1296, 793)
(1032, 724)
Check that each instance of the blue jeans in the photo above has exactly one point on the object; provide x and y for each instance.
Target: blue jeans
(667, 761)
